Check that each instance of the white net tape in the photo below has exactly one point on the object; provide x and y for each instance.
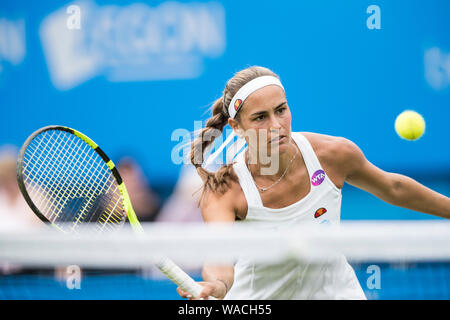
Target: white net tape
(194, 244)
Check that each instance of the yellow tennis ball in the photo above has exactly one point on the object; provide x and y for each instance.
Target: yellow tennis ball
(410, 125)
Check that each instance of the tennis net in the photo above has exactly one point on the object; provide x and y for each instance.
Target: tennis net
(392, 260)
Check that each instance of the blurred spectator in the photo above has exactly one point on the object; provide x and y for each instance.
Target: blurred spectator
(145, 201)
(182, 205)
(14, 211)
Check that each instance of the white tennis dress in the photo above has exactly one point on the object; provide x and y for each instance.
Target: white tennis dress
(333, 279)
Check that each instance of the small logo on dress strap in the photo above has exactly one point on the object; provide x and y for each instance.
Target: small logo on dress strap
(319, 212)
(318, 177)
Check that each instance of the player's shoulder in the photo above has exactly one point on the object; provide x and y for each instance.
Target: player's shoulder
(324, 142)
(222, 205)
(332, 148)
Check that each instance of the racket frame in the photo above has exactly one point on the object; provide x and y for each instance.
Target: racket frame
(169, 268)
(128, 208)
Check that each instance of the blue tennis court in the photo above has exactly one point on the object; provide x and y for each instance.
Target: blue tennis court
(421, 281)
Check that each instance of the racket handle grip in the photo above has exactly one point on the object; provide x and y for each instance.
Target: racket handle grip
(179, 277)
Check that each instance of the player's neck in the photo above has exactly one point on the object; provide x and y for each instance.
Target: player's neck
(272, 166)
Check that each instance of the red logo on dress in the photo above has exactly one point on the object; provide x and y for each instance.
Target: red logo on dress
(320, 212)
(237, 104)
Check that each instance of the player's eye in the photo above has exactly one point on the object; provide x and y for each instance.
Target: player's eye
(259, 118)
(281, 110)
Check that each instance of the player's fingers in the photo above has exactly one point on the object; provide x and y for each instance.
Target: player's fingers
(205, 294)
(183, 294)
(207, 291)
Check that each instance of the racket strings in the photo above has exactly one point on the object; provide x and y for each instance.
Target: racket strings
(71, 190)
(43, 176)
(43, 179)
(69, 182)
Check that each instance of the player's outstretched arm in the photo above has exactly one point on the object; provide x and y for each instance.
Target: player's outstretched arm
(396, 189)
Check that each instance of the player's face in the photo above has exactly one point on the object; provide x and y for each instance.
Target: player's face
(266, 113)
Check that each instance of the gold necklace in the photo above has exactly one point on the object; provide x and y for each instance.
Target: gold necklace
(262, 189)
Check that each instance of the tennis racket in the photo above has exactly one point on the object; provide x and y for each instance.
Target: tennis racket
(67, 180)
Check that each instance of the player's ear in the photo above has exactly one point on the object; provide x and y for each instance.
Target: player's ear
(236, 127)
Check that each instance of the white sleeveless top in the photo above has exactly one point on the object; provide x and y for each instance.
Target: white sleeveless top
(333, 279)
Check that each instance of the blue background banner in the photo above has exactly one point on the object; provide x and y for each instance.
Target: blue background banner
(128, 74)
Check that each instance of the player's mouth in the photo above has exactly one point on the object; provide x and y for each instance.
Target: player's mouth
(278, 139)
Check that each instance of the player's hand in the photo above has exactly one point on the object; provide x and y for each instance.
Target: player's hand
(214, 289)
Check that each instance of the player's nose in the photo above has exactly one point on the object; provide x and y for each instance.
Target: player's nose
(275, 124)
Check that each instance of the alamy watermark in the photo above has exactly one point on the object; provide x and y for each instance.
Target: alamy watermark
(72, 277)
(374, 280)
(374, 20)
(263, 147)
(73, 22)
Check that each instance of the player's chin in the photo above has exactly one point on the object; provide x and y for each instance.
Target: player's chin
(279, 145)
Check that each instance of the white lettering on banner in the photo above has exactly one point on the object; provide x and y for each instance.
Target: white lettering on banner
(437, 68)
(12, 41)
(133, 43)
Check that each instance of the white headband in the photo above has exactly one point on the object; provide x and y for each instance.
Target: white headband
(235, 105)
(248, 89)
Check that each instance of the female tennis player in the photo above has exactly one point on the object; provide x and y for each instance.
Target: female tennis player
(304, 187)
